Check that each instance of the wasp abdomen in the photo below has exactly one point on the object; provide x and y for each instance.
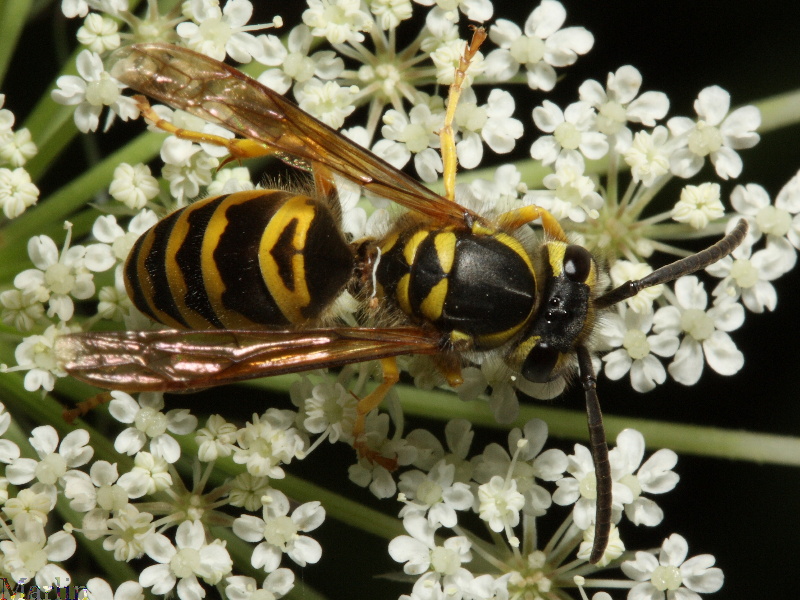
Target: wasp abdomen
(478, 285)
(249, 260)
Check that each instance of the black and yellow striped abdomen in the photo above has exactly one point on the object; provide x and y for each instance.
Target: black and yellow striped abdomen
(249, 260)
(474, 285)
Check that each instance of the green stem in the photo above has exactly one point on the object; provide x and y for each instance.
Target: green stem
(13, 16)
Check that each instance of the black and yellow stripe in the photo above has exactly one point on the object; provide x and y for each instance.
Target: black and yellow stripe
(249, 260)
(477, 287)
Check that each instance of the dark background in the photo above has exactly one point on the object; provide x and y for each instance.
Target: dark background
(744, 514)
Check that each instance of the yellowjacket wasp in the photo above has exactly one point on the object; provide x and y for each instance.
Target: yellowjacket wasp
(244, 280)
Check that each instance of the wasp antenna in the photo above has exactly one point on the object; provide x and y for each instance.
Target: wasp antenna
(599, 448)
(671, 272)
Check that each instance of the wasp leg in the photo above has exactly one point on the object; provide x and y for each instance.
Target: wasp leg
(391, 375)
(518, 217)
(82, 408)
(448, 142)
(239, 149)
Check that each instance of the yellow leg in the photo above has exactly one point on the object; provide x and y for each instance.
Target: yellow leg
(239, 149)
(518, 217)
(446, 136)
(391, 375)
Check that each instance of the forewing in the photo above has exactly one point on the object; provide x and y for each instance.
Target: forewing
(177, 360)
(221, 94)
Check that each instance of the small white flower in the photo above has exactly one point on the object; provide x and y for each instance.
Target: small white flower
(414, 135)
(624, 270)
(133, 185)
(778, 222)
(648, 155)
(97, 489)
(248, 491)
(524, 462)
(36, 354)
(390, 13)
(618, 104)
(280, 532)
(54, 458)
(581, 489)
(182, 564)
(447, 57)
(150, 474)
(216, 439)
(542, 46)
(705, 331)
(93, 90)
(699, 205)
(17, 191)
(267, 442)
(9, 451)
(330, 408)
(125, 533)
(671, 576)
(149, 423)
(420, 553)
(30, 555)
(492, 122)
(338, 20)
(293, 61)
(21, 310)
(16, 148)
(229, 181)
(435, 493)
(748, 275)
(216, 32)
(60, 277)
(35, 502)
(186, 168)
(655, 476)
(570, 194)
(630, 331)
(99, 33)
(715, 134)
(500, 504)
(572, 130)
(326, 100)
(277, 584)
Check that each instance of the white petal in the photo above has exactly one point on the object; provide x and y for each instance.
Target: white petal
(646, 373)
(688, 364)
(504, 32)
(160, 577)
(727, 163)
(738, 129)
(546, 19)
(673, 551)
(159, 548)
(712, 104)
(722, 354)
(698, 575)
(648, 108)
(563, 47)
(305, 550)
(60, 546)
(644, 511)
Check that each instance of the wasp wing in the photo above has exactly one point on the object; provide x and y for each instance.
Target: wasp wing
(221, 94)
(180, 360)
